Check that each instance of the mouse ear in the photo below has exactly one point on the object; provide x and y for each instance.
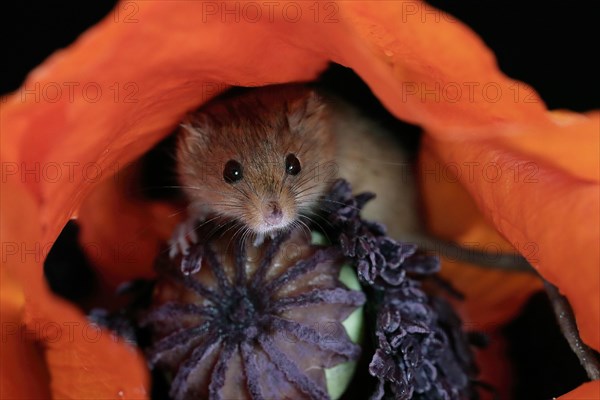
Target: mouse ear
(308, 107)
(196, 125)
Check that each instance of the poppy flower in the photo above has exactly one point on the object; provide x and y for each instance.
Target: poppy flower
(88, 111)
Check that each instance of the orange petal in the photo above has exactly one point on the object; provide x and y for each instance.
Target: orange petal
(587, 391)
(550, 212)
(429, 69)
(98, 125)
(121, 233)
(83, 361)
(22, 360)
(571, 143)
(492, 296)
(87, 362)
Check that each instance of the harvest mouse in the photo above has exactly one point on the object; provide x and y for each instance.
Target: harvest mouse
(265, 157)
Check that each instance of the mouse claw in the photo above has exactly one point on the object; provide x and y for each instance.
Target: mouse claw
(192, 262)
(183, 238)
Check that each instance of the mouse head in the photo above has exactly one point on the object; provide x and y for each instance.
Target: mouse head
(263, 158)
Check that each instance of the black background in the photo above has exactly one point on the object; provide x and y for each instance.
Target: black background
(546, 44)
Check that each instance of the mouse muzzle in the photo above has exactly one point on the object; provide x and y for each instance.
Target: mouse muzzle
(272, 213)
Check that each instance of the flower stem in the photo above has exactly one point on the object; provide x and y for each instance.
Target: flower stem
(566, 320)
(454, 252)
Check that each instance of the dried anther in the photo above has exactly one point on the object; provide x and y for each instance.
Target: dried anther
(255, 323)
(421, 351)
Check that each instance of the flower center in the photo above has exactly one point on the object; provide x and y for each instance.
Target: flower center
(240, 313)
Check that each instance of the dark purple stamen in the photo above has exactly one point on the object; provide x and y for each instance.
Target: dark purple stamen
(421, 351)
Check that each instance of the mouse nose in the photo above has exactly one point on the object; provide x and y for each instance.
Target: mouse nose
(272, 213)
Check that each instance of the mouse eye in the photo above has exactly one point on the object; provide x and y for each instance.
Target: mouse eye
(233, 171)
(292, 165)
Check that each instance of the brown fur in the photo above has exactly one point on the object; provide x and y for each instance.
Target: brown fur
(258, 129)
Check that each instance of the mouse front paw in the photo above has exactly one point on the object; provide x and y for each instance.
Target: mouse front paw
(191, 262)
(184, 242)
(183, 238)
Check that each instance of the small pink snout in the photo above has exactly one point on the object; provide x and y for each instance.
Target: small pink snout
(272, 213)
